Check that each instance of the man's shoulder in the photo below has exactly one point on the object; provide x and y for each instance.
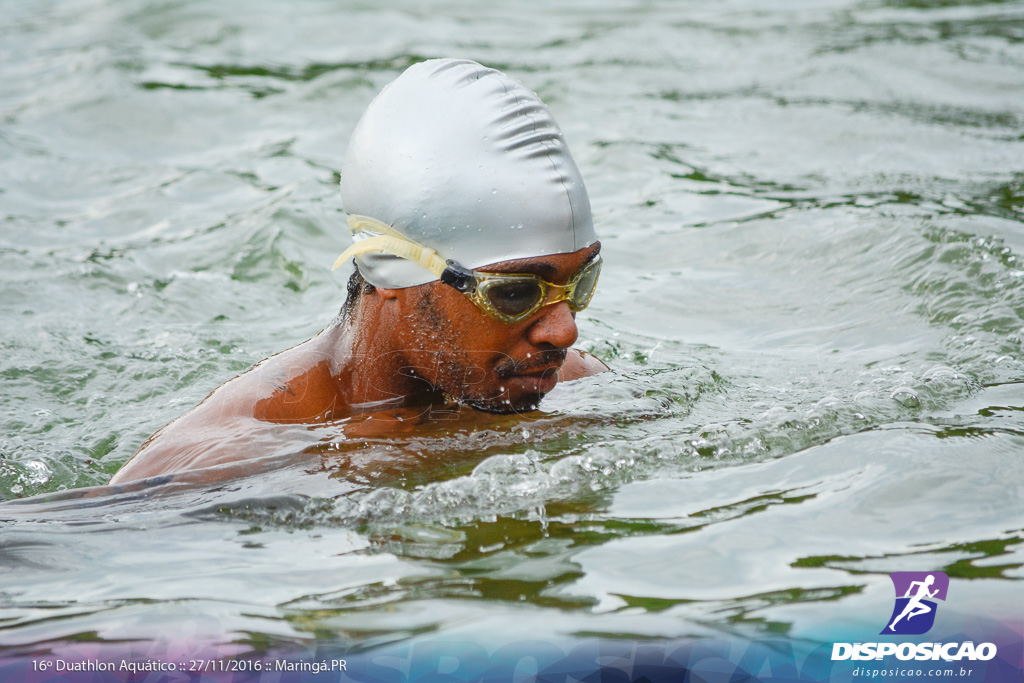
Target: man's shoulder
(579, 364)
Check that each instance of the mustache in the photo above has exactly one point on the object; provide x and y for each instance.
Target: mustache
(537, 361)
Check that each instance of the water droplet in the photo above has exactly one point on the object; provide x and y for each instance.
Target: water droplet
(37, 471)
(906, 397)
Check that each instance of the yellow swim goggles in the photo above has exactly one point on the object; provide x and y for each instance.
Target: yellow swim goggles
(509, 298)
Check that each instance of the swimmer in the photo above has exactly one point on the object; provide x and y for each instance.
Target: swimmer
(914, 606)
(474, 249)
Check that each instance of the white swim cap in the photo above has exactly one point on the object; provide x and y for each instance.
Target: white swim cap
(465, 161)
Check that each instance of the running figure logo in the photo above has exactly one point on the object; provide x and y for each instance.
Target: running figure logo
(914, 612)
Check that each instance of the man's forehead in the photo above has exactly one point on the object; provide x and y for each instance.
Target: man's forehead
(545, 266)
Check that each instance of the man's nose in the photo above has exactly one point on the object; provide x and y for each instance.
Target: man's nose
(556, 325)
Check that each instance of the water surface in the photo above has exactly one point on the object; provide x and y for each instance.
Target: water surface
(813, 304)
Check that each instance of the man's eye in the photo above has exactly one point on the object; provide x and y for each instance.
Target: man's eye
(587, 282)
(514, 298)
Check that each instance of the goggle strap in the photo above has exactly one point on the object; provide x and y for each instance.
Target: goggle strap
(357, 223)
(425, 256)
(390, 241)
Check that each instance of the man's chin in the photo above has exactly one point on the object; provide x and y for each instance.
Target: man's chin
(503, 405)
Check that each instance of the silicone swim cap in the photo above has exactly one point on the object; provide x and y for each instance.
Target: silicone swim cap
(462, 159)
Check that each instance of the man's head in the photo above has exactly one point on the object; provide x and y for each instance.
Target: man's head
(457, 178)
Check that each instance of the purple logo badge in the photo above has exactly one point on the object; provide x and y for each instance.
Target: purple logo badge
(916, 592)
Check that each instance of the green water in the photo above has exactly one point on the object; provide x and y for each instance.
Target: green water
(813, 304)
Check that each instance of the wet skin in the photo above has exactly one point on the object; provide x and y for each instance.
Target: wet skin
(400, 349)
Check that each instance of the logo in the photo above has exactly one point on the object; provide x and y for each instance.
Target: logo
(914, 611)
(912, 615)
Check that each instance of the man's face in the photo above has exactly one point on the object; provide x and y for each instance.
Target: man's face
(484, 363)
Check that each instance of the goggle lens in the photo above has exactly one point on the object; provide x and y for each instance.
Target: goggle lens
(512, 298)
(585, 286)
(515, 298)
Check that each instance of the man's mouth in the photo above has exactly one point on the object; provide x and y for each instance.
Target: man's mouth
(538, 377)
(539, 365)
(536, 383)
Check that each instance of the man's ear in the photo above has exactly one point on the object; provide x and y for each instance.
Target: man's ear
(387, 294)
